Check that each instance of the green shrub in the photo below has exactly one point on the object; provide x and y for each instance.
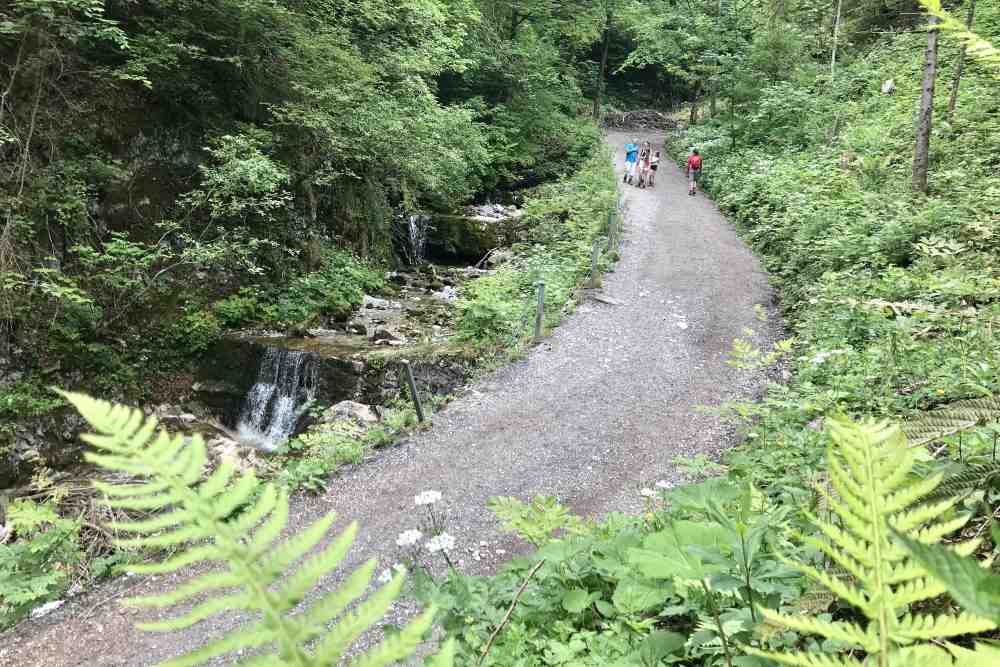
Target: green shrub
(238, 309)
(37, 565)
(196, 331)
(27, 398)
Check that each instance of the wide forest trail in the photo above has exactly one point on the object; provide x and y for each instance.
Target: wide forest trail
(598, 410)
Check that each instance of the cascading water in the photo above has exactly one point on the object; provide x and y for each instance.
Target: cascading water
(418, 224)
(286, 384)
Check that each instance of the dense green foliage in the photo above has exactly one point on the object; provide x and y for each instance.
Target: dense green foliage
(181, 167)
(265, 149)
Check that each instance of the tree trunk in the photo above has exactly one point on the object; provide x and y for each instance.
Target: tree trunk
(836, 36)
(604, 67)
(713, 99)
(921, 153)
(955, 82)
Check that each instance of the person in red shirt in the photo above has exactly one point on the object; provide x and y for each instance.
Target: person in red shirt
(693, 171)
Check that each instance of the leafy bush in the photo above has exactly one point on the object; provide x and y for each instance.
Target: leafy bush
(238, 309)
(27, 399)
(196, 332)
(308, 461)
(36, 566)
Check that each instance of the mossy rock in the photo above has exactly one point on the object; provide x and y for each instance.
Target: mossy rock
(455, 239)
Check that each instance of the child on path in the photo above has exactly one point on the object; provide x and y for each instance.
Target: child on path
(631, 156)
(693, 171)
(644, 155)
(654, 162)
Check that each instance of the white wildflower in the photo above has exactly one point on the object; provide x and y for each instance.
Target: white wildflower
(409, 537)
(427, 498)
(647, 493)
(663, 484)
(442, 542)
(385, 577)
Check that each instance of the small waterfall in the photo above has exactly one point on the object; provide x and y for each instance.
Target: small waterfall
(418, 224)
(286, 384)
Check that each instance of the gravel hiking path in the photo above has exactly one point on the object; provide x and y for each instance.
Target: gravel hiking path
(598, 410)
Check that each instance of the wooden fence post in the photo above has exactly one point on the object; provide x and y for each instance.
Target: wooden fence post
(413, 390)
(595, 253)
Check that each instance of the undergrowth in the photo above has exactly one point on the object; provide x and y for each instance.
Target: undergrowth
(497, 312)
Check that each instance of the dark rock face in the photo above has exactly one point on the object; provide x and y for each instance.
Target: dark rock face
(456, 240)
(384, 383)
(231, 368)
(50, 440)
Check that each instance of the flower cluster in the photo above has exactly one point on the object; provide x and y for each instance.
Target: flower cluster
(409, 537)
(443, 542)
(426, 498)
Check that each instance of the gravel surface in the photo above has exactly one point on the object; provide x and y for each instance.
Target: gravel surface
(595, 412)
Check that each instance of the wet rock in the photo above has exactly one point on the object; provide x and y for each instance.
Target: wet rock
(359, 413)
(382, 334)
(50, 440)
(447, 293)
(240, 456)
(374, 303)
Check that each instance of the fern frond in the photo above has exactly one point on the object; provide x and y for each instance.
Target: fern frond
(806, 659)
(234, 523)
(967, 580)
(922, 626)
(874, 494)
(951, 419)
(973, 478)
(836, 630)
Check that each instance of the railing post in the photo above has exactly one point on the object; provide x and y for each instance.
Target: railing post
(540, 309)
(595, 253)
(413, 390)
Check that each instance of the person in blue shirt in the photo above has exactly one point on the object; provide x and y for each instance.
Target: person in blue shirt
(631, 158)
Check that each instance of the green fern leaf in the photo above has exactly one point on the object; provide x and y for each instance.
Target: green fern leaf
(972, 478)
(951, 419)
(873, 494)
(966, 580)
(234, 523)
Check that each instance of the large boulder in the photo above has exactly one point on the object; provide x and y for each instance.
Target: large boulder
(361, 414)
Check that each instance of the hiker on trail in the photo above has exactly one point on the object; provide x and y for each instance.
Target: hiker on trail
(654, 162)
(631, 156)
(644, 154)
(693, 171)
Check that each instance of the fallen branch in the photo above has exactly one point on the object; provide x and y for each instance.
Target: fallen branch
(510, 610)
